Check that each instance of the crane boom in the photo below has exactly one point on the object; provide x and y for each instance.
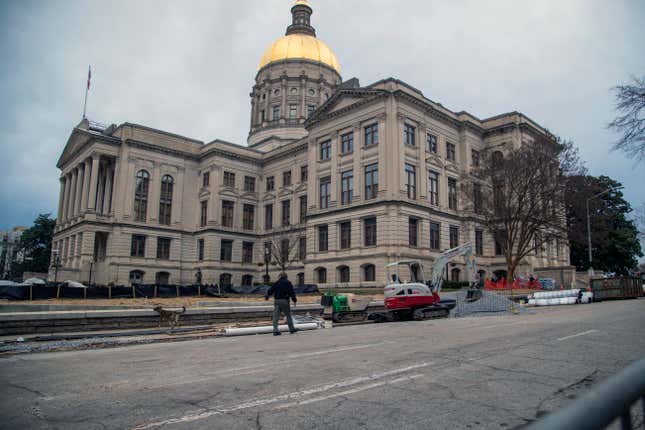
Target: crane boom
(441, 262)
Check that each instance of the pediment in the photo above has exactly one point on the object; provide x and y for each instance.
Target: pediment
(284, 192)
(230, 192)
(343, 101)
(302, 187)
(76, 141)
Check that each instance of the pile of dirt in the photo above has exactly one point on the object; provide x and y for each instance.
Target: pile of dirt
(489, 303)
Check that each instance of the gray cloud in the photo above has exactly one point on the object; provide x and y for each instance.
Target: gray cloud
(188, 67)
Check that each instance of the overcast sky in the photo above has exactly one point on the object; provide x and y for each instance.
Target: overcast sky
(187, 67)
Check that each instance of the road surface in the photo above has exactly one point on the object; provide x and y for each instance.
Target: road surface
(470, 373)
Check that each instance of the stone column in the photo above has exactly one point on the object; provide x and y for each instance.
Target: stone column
(283, 94)
(115, 184)
(422, 170)
(100, 190)
(154, 192)
(91, 204)
(383, 184)
(72, 195)
(68, 184)
(79, 190)
(61, 201)
(86, 185)
(108, 190)
(214, 204)
(358, 171)
(335, 174)
(177, 198)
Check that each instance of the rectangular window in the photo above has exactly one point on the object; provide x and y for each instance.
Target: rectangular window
(500, 243)
(450, 152)
(268, 217)
(303, 209)
(454, 236)
(262, 115)
(163, 248)
(206, 179)
(286, 178)
(452, 193)
(371, 181)
(286, 213)
(322, 238)
(413, 232)
(371, 134)
(433, 187)
(477, 198)
(304, 173)
(204, 213)
(138, 246)
(284, 251)
(411, 181)
(369, 226)
(293, 111)
(475, 157)
(200, 249)
(247, 252)
(409, 134)
(227, 213)
(310, 110)
(229, 179)
(249, 184)
(325, 192)
(302, 248)
(479, 242)
(226, 250)
(347, 143)
(431, 143)
(347, 186)
(270, 183)
(345, 235)
(248, 217)
(276, 112)
(435, 238)
(325, 150)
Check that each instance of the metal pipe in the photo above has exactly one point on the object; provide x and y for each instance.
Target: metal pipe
(267, 329)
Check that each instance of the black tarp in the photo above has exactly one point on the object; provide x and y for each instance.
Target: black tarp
(14, 292)
(40, 292)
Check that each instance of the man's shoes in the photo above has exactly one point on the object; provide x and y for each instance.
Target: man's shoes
(293, 331)
(276, 333)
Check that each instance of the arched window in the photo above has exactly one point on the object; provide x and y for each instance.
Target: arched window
(247, 280)
(343, 273)
(136, 277)
(321, 275)
(369, 273)
(141, 196)
(225, 279)
(165, 199)
(162, 278)
(301, 279)
(454, 275)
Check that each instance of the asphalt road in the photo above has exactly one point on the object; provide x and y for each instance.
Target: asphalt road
(470, 373)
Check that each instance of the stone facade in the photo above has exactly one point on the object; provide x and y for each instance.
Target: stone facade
(143, 205)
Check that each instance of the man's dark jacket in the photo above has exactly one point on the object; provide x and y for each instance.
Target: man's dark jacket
(283, 289)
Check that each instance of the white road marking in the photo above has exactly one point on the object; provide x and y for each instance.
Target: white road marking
(577, 334)
(352, 391)
(291, 397)
(331, 351)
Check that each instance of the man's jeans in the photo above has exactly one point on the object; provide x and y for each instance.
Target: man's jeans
(282, 306)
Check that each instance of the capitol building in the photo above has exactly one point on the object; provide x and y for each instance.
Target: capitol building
(342, 177)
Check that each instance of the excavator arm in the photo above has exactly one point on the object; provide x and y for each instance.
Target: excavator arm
(441, 262)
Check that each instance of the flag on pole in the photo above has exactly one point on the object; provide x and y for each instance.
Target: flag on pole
(89, 76)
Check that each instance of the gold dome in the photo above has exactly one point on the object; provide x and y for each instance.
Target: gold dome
(300, 46)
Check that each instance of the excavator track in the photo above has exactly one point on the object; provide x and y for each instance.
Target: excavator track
(349, 316)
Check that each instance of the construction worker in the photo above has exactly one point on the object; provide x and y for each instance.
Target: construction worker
(282, 291)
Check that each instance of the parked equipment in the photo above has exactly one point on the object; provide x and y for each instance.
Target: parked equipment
(407, 295)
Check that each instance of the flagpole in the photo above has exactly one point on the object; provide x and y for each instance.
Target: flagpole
(87, 89)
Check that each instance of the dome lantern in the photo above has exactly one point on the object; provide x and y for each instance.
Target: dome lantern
(301, 19)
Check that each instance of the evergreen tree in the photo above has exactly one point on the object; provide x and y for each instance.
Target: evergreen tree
(614, 237)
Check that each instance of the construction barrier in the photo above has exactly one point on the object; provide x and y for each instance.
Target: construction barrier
(518, 284)
(66, 291)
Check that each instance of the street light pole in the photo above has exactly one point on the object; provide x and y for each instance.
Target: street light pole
(267, 260)
(591, 272)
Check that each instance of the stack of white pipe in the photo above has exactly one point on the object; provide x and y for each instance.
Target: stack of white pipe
(559, 297)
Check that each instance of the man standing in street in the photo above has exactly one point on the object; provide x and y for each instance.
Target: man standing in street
(282, 291)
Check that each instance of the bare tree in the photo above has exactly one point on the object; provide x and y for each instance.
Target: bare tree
(518, 194)
(285, 248)
(630, 122)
